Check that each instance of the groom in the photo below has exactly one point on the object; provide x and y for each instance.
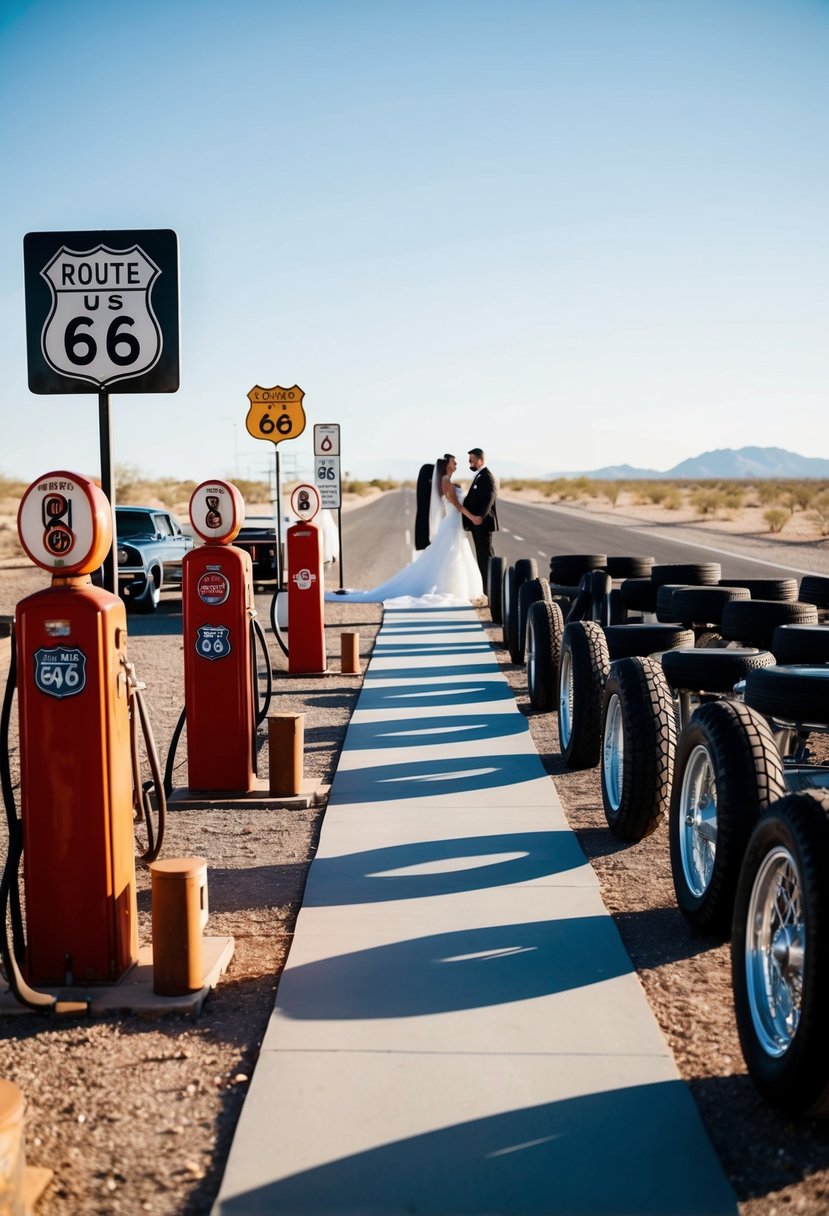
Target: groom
(479, 513)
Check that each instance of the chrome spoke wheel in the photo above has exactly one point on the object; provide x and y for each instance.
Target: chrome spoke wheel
(774, 951)
(613, 753)
(565, 699)
(698, 822)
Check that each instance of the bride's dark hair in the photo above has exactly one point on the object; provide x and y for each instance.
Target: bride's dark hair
(442, 462)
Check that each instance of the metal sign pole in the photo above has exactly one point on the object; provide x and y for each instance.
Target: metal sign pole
(340, 533)
(110, 567)
(278, 523)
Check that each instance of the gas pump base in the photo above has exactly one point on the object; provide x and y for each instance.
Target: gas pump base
(259, 797)
(134, 992)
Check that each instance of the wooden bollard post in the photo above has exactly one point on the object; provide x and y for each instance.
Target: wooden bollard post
(12, 1157)
(350, 653)
(286, 746)
(179, 901)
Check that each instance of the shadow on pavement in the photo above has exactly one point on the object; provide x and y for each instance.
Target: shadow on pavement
(595, 1153)
(464, 969)
(440, 867)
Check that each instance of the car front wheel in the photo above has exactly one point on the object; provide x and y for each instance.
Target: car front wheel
(150, 597)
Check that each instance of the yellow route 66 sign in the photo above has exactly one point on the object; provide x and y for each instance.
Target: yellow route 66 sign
(275, 413)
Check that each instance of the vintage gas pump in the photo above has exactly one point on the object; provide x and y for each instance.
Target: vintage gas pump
(306, 622)
(218, 609)
(75, 751)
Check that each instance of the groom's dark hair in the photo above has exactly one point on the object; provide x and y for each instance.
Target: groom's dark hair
(478, 453)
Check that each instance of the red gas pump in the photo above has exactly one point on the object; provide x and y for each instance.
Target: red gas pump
(306, 622)
(75, 757)
(218, 609)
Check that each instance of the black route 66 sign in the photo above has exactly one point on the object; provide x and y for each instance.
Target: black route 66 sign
(102, 311)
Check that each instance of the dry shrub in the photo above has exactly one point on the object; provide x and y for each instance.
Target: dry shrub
(819, 513)
(776, 518)
(707, 500)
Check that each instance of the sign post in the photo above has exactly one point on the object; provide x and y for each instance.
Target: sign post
(327, 475)
(276, 414)
(102, 312)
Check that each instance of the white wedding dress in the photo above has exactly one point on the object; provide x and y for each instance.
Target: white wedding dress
(446, 572)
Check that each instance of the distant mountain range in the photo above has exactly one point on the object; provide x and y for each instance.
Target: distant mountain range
(721, 463)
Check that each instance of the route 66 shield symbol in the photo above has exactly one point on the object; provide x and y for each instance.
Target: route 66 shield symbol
(60, 671)
(275, 413)
(213, 641)
(101, 327)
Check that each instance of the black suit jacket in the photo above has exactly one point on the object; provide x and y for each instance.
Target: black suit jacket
(481, 500)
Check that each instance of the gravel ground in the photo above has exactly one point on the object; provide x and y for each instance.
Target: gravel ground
(151, 1132)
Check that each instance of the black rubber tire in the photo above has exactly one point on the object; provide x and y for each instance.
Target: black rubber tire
(781, 590)
(801, 643)
(793, 694)
(584, 655)
(712, 670)
(495, 586)
(525, 568)
(814, 590)
(567, 568)
(638, 704)
(704, 605)
(753, 622)
(665, 603)
(694, 574)
(709, 639)
(148, 601)
(624, 641)
(545, 626)
(793, 1075)
(601, 586)
(747, 774)
(639, 594)
(509, 607)
(616, 611)
(530, 592)
(630, 567)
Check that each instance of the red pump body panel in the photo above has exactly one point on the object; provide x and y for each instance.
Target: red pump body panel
(217, 602)
(76, 785)
(306, 621)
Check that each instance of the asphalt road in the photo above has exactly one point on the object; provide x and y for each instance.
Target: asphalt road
(378, 539)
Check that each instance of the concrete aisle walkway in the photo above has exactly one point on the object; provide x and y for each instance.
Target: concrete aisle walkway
(458, 1028)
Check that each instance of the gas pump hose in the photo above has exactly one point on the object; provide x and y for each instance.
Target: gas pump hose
(11, 952)
(275, 623)
(257, 634)
(142, 791)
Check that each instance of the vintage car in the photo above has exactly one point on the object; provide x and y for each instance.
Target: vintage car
(151, 545)
(258, 537)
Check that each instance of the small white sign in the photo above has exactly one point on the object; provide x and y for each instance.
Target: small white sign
(327, 439)
(327, 478)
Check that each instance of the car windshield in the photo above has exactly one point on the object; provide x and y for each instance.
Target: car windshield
(134, 523)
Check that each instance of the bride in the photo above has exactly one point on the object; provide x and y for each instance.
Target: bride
(444, 572)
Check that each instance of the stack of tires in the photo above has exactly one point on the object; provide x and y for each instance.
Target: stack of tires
(588, 650)
(747, 807)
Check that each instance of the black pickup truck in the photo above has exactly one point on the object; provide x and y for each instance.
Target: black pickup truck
(151, 545)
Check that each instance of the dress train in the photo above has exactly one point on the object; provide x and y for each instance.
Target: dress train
(445, 573)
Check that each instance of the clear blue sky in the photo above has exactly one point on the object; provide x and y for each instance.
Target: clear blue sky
(574, 232)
